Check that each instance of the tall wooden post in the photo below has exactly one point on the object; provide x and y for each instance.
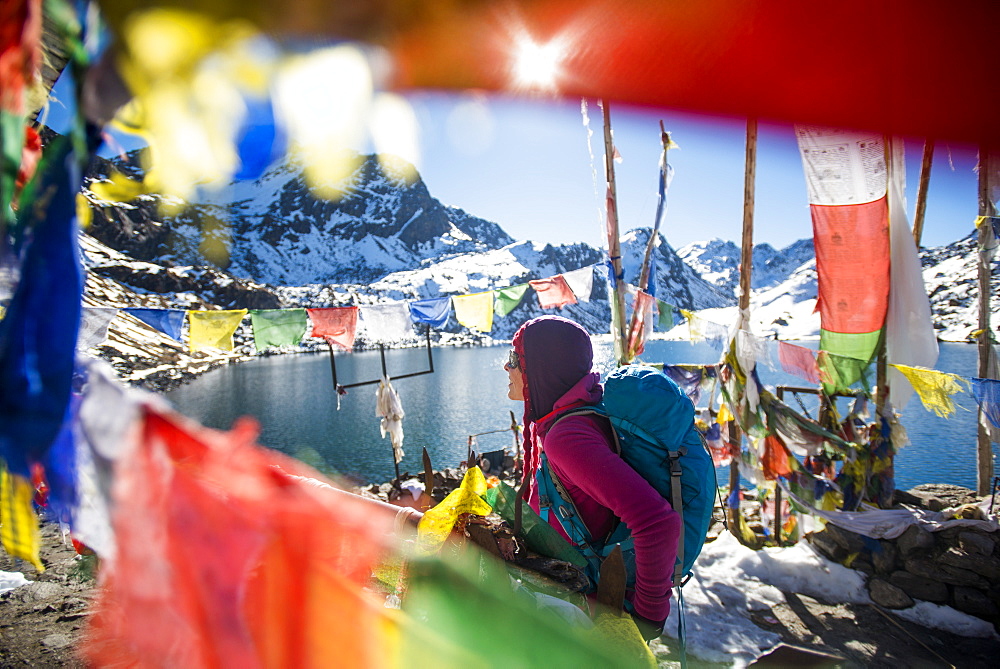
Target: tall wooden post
(984, 470)
(614, 244)
(925, 180)
(746, 258)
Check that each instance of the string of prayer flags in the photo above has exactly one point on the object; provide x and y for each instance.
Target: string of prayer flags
(666, 315)
(553, 292)
(167, 321)
(213, 329)
(433, 311)
(935, 388)
(699, 329)
(94, 324)
(508, 298)
(987, 394)
(388, 321)
(800, 361)
(474, 311)
(278, 327)
(581, 282)
(641, 324)
(18, 522)
(39, 331)
(838, 372)
(847, 182)
(337, 325)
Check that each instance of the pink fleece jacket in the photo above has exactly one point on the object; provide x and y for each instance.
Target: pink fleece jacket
(603, 486)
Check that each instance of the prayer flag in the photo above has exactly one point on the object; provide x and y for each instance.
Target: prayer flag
(387, 322)
(553, 292)
(433, 311)
(18, 523)
(167, 321)
(641, 324)
(278, 327)
(437, 523)
(839, 372)
(508, 298)
(700, 329)
(847, 180)
(909, 333)
(213, 329)
(934, 388)
(581, 282)
(337, 325)
(390, 410)
(800, 361)
(987, 394)
(775, 459)
(94, 324)
(475, 311)
(666, 315)
(39, 331)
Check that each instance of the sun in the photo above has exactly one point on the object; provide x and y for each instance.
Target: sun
(537, 66)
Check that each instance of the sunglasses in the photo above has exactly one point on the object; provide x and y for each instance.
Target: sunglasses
(513, 360)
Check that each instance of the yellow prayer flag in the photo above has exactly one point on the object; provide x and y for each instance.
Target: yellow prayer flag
(474, 311)
(213, 329)
(438, 522)
(18, 523)
(725, 415)
(934, 388)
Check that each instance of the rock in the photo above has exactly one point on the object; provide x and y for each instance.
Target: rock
(36, 591)
(974, 602)
(852, 542)
(915, 541)
(884, 559)
(945, 573)
(919, 587)
(825, 544)
(862, 565)
(976, 543)
(939, 496)
(886, 594)
(984, 565)
(57, 640)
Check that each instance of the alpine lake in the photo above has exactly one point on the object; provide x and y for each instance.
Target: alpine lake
(293, 399)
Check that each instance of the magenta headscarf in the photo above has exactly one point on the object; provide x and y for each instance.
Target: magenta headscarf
(555, 354)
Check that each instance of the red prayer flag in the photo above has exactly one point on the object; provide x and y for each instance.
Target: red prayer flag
(20, 39)
(642, 322)
(800, 361)
(553, 292)
(775, 460)
(337, 325)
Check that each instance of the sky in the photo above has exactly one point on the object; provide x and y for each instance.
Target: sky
(525, 165)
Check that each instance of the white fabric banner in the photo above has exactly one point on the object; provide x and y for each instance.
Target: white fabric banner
(387, 322)
(94, 322)
(581, 282)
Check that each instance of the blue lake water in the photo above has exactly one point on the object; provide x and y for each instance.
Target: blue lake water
(293, 399)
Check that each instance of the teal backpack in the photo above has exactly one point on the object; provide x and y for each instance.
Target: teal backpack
(653, 424)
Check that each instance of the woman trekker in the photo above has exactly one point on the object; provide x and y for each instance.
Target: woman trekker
(550, 370)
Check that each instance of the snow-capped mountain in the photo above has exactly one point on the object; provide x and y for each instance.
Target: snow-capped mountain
(718, 262)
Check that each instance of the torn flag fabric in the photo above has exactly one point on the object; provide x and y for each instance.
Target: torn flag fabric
(432, 311)
(935, 388)
(641, 324)
(581, 282)
(508, 298)
(278, 327)
(213, 329)
(387, 322)
(553, 292)
(800, 361)
(847, 180)
(167, 321)
(474, 311)
(337, 325)
(390, 410)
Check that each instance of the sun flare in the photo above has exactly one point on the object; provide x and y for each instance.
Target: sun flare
(537, 66)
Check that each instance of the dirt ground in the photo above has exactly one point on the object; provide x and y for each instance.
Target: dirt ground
(41, 624)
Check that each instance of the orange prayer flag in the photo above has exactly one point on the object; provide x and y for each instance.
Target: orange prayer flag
(553, 292)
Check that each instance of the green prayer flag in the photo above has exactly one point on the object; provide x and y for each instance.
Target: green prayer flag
(508, 298)
(839, 372)
(666, 315)
(277, 327)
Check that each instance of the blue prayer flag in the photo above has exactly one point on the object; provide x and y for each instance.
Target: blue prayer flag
(433, 311)
(167, 321)
(987, 393)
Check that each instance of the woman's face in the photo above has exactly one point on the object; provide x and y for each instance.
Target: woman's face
(515, 389)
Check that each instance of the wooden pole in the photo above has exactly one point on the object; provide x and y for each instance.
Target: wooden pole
(614, 244)
(984, 470)
(746, 257)
(925, 180)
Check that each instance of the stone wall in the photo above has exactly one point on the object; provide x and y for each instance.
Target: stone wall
(957, 567)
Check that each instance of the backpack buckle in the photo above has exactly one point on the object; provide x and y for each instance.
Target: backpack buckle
(565, 512)
(543, 500)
